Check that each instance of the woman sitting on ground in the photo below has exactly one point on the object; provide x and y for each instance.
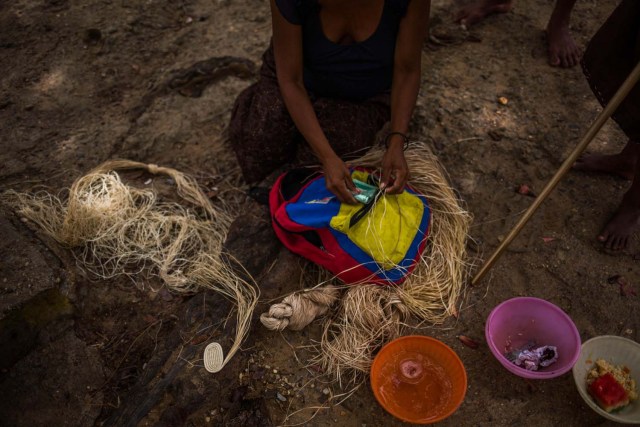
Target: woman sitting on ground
(335, 73)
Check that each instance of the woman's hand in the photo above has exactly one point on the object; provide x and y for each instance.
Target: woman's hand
(338, 178)
(395, 172)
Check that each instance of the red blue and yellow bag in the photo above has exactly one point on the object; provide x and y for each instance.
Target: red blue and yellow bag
(379, 241)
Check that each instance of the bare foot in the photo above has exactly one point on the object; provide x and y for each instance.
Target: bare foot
(626, 219)
(563, 50)
(616, 164)
(616, 233)
(476, 12)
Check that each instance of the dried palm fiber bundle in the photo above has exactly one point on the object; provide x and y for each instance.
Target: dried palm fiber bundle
(118, 229)
(366, 316)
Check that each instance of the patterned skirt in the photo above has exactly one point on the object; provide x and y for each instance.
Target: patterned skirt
(264, 137)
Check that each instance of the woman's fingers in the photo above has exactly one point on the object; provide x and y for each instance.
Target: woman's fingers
(343, 187)
(398, 183)
(395, 172)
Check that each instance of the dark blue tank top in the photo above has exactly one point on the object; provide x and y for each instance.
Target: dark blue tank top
(354, 71)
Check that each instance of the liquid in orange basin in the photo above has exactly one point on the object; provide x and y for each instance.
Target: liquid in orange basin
(413, 383)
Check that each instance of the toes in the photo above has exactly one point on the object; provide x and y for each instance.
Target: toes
(618, 243)
(575, 58)
(564, 59)
(610, 243)
(572, 59)
(580, 160)
(623, 243)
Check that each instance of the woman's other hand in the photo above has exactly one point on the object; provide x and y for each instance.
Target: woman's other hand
(338, 178)
(395, 172)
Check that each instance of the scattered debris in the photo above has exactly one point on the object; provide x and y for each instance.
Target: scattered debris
(468, 341)
(626, 289)
(525, 190)
(199, 339)
(496, 135)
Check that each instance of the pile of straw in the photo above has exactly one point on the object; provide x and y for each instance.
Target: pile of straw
(368, 316)
(118, 229)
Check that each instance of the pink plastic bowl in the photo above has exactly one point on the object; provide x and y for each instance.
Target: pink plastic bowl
(518, 321)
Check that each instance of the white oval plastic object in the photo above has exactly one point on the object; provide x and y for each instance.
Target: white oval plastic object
(617, 351)
(213, 357)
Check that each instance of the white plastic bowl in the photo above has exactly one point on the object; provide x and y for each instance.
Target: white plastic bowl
(617, 351)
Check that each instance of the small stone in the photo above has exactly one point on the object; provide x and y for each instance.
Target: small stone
(628, 331)
(275, 371)
(326, 391)
(502, 100)
(208, 419)
(280, 397)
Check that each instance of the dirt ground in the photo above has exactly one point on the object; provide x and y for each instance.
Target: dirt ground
(86, 81)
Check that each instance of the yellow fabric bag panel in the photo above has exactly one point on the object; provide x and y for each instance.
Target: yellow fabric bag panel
(387, 230)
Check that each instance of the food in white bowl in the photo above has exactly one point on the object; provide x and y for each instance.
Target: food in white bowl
(611, 386)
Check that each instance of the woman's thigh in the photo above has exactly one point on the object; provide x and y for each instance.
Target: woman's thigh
(261, 131)
(351, 127)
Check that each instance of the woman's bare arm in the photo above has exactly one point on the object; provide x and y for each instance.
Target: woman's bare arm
(404, 91)
(287, 46)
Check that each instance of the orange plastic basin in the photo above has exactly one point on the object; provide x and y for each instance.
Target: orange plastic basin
(418, 379)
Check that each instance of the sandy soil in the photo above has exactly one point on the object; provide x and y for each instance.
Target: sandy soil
(83, 82)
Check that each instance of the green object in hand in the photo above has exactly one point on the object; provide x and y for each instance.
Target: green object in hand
(367, 191)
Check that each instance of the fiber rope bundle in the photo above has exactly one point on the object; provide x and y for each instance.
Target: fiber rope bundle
(298, 310)
(368, 316)
(117, 229)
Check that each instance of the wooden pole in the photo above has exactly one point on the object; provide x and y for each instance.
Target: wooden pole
(610, 108)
